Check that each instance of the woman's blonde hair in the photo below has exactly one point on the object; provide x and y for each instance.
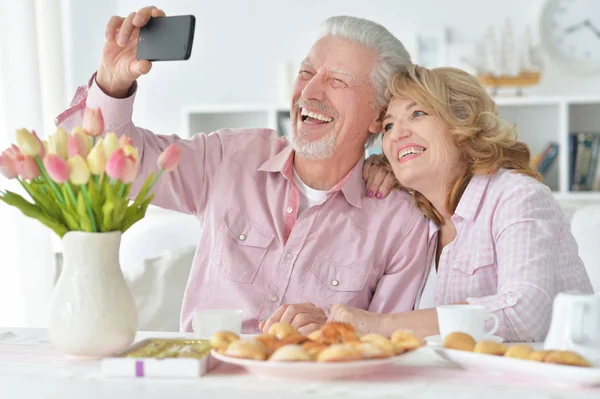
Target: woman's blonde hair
(486, 142)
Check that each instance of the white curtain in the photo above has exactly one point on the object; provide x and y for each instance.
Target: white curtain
(32, 92)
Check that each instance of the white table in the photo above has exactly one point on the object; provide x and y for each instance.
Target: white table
(31, 368)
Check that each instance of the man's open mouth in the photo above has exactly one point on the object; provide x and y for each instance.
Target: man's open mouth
(314, 117)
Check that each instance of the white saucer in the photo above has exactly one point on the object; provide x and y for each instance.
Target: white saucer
(437, 340)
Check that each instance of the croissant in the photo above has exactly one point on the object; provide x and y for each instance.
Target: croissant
(335, 333)
(220, 340)
(282, 330)
(382, 342)
(247, 349)
(405, 340)
(290, 353)
(340, 353)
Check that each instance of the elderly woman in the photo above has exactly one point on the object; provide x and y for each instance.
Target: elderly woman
(498, 238)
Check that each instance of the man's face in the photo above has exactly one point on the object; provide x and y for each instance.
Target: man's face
(332, 103)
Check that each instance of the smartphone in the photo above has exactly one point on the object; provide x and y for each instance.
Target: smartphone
(167, 38)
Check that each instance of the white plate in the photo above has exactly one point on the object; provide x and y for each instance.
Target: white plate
(309, 370)
(437, 340)
(557, 373)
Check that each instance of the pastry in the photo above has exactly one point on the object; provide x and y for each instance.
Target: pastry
(293, 340)
(282, 330)
(568, 358)
(369, 350)
(538, 356)
(335, 333)
(382, 342)
(459, 341)
(221, 340)
(519, 351)
(314, 348)
(339, 353)
(405, 340)
(490, 348)
(270, 342)
(247, 349)
(290, 353)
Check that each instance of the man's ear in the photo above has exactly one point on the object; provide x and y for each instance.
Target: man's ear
(376, 126)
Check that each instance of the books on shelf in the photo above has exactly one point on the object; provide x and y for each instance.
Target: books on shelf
(584, 168)
(544, 159)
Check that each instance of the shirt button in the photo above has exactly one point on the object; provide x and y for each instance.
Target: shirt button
(273, 298)
(289, 209)
(335, 283)
(242, 237)
(288, 256)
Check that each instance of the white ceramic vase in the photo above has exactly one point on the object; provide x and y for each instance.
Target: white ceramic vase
(92, 313)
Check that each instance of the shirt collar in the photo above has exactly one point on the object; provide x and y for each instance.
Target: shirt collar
(470, 202)
(280, 162)
(351, 185)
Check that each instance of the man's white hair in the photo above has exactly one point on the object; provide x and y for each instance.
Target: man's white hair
(391, 55)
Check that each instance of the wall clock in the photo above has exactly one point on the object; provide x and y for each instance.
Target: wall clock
(570, 32)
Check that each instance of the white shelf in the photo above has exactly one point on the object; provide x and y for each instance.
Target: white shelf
(539, 120)
(545, 100)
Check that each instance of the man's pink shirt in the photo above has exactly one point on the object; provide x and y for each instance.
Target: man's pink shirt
(255, 252)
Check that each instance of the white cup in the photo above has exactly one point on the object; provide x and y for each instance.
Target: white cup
(469, 319)
(575, 325)
(207, 322)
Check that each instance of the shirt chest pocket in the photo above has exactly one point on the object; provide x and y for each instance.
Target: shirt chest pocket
(244, 245)
(469, 262)
(338, 277)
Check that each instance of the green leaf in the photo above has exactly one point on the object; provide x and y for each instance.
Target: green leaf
(119, 213)
(108, 191)
(30, 210)
(143, 193)
(36, 192)
(95, 196)
(138, 214)
(84, 220)
(70, 219)
(107, 216)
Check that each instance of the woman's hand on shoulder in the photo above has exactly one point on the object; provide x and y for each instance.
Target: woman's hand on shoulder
(379, 177)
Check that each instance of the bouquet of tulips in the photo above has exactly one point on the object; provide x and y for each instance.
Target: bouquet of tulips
(78, 181)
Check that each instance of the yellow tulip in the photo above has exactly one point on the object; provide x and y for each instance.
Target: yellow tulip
(58, 143)
(79, 172)
(28, 143)
(96, 159)
(86, 139)
(111, 144)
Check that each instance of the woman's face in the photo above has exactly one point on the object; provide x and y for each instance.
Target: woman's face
(419, 147)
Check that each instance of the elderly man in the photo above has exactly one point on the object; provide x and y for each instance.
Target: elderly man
(282, 223)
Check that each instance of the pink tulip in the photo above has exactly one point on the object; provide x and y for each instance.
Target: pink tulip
(116, 165)
(57, 168)
(130, 171)
(170, 158)
(26, 167)
(77, 146)
(13, 152)
(7, 167)
(93, 123)
(124, 141)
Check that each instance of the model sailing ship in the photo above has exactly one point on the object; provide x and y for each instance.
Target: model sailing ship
(507, 63)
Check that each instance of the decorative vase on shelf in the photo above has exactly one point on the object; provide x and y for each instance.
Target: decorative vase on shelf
(92, 313)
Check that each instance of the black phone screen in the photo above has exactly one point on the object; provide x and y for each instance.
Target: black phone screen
(166, 38)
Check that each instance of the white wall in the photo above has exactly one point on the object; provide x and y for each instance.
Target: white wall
(238, 45)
